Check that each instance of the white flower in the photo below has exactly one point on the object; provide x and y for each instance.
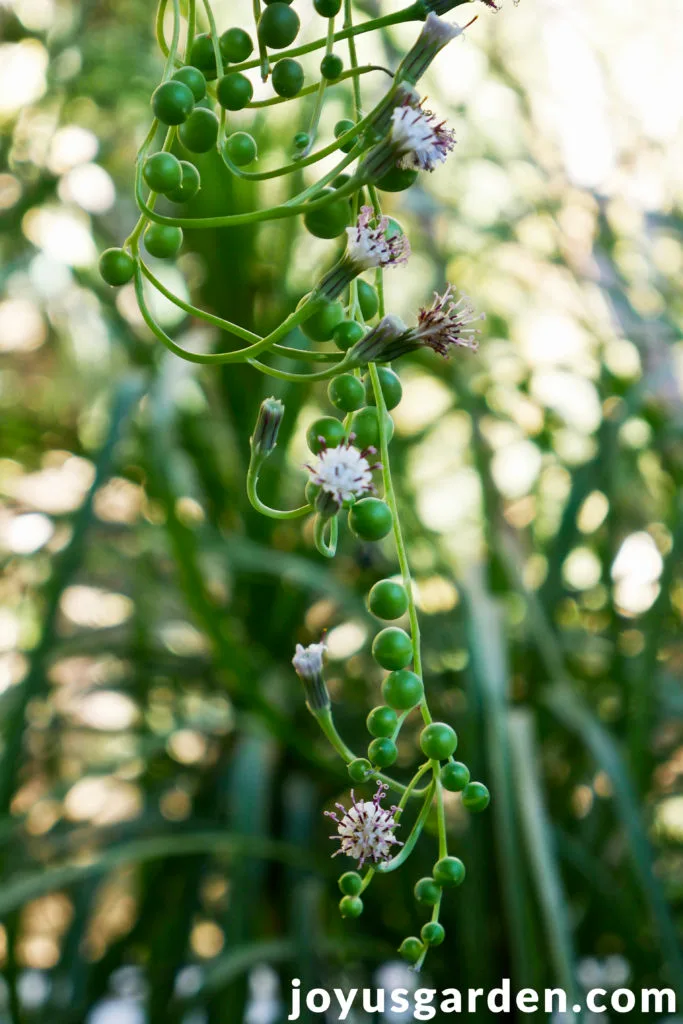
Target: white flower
(422, 141)
(446, 322)
(344, 472)
(436, 32)
(366, 829)
(308, 661)
(369, 244)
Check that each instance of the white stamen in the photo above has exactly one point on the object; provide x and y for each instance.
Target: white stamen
(368, 245)
(423, 142)
(344, 472)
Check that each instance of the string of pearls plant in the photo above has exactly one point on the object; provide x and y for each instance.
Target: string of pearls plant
(382, 150)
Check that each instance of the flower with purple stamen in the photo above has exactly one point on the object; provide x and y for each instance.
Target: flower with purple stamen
(366, 829)
(344, 471)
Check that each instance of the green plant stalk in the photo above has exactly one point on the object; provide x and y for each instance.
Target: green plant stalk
(402, 554)
(324, 719)
(308, 90)
(260, 506)
(401, 857)
(239, 332)
(415, 12)
(264, 62)
(240, 355)
(331, 147)
(321, 526)
(320, 94)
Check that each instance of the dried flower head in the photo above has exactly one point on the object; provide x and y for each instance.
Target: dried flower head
(372, 244)
(422, 140)
(446, 322)
(366, 829)
(344, 471)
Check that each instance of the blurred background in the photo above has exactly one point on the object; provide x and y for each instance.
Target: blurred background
(163, 851)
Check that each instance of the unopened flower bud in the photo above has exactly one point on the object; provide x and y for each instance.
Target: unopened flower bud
(308, 664)
(268, 421)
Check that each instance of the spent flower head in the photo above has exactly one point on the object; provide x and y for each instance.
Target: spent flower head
(421, 139)
(446, 322)
(366, 829)
(344, 471)
(308, 664)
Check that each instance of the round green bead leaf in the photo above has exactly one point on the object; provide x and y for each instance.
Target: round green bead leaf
(449, 872)
(438, 741)
(402, 689)
(455, 776)
(116, 267)
(382, 752)
(382, 721)
(392, 648)
(350, 906)
(370, 519)
(388, 600)
(427, 892)
(476, 797)
(359, 769)
(411, 949)
(351, 883)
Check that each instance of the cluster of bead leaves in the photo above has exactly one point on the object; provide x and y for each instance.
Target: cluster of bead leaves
(383, 150)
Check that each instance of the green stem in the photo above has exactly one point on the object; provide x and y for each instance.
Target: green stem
(415, 12)
(214, 358)
(320, 94)
(291, 208)
(310, 89)
(324, 719)
(410, 788)
(213, 31)
(415, 832)
(302, 378)
(440, 811)
(390, 498)
(191, 28)
(328, 548)
(266, 510)
(159, 27)
(353, 55)
(296, 354)
(264, 62)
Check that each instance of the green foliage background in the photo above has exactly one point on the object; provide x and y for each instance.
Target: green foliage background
(161, 783)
